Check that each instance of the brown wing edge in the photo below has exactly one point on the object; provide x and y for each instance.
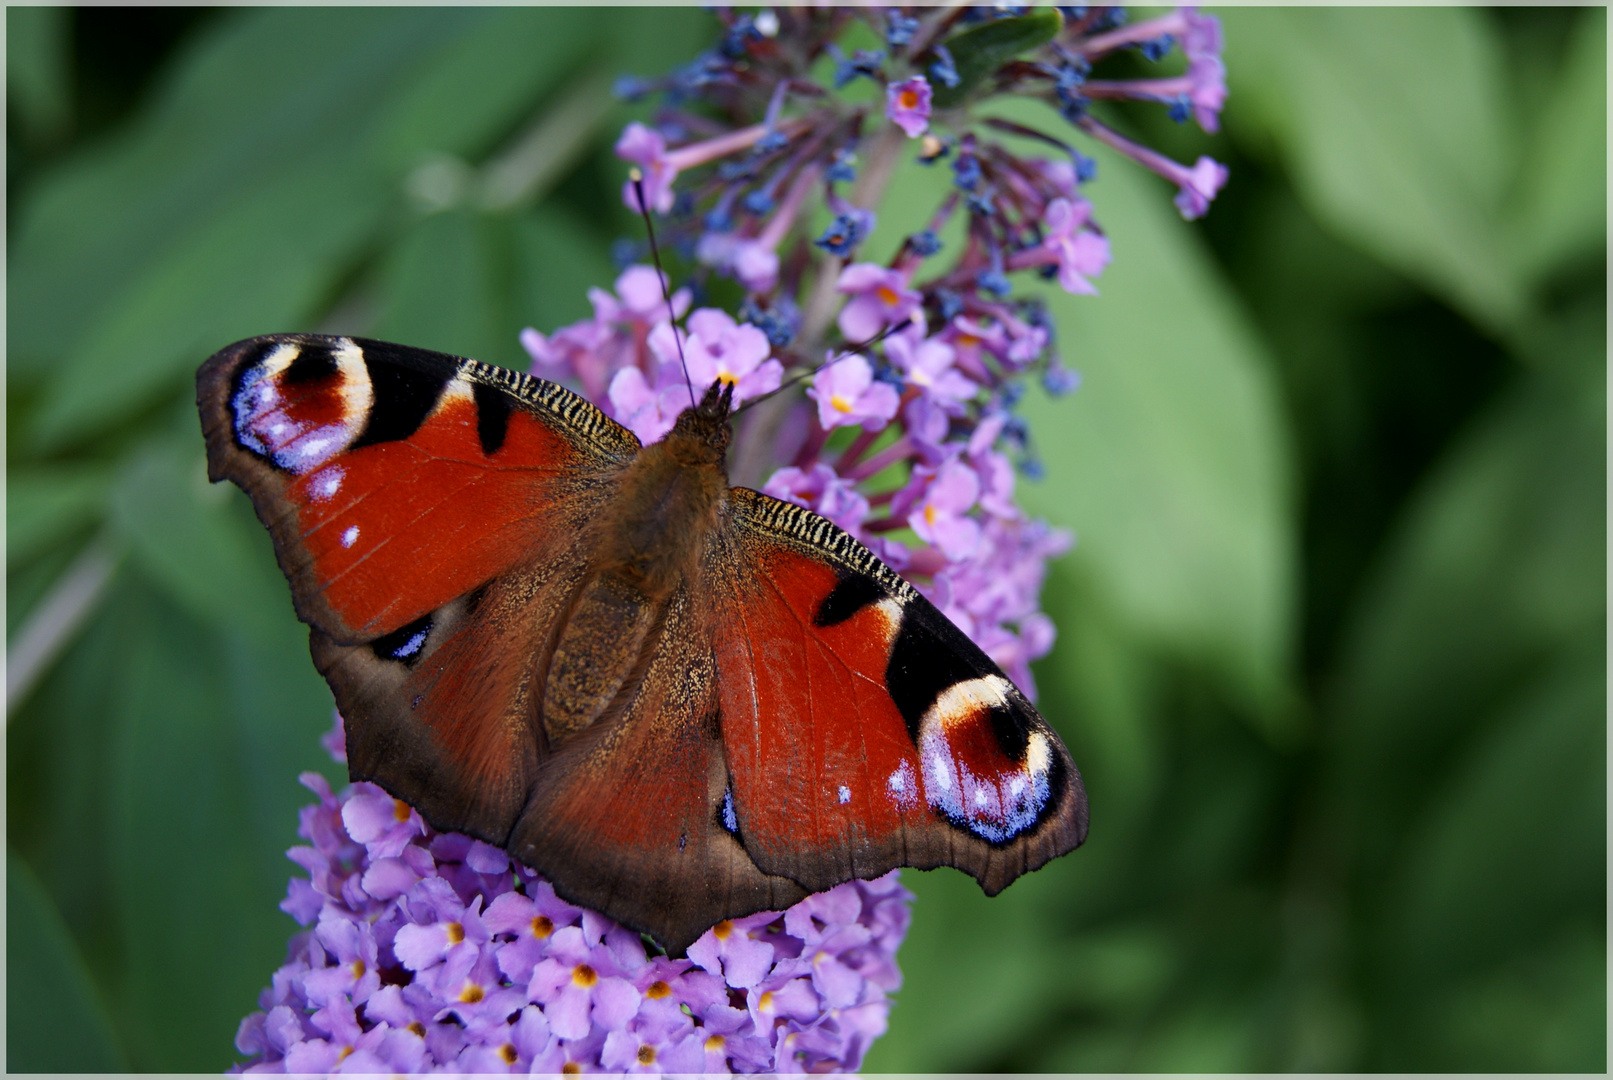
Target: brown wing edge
(993, 866)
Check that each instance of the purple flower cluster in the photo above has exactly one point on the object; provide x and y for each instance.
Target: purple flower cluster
(926, 368)
(431, 951)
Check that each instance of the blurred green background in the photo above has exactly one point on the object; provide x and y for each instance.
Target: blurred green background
(1332, 643)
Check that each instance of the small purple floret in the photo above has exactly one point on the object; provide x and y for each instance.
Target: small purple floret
(907, 105)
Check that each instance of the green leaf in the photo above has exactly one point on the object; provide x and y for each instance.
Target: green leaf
(1513, 842)
(441, 288)
(556, 261)
(261, 265)
(198, 541)
(261, 96)
(48, 503)
(196, 875)
(1544, 1012)
(37, 69)
(252, 187)
(981, 50)
(1169, 463)
(1394, 125)
(55, 1021)
(1488, 573)
(1562, 205)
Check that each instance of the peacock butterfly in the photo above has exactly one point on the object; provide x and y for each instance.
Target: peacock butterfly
(679, 701)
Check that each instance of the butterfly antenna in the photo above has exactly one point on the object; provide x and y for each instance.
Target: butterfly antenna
(666, 291)
(850, 350)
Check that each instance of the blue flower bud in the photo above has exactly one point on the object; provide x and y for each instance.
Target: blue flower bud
(949, 302)
(625, 252)
(842, 236)
(780, 322)
(631, 88)
(944, 69)
(840, 170)
(737, 41)
(759, 202)
(1158, 48)
(899, 29)
(924, 243)
(1059, 380)
(767, 144)
(994, 282)
(966, 172)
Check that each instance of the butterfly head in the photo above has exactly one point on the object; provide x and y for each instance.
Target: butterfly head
(703, 430)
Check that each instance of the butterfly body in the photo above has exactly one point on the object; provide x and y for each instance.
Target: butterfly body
(678, 700)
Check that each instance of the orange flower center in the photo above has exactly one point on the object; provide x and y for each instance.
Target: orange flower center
(584, 976)
(456, 933)
(646, 1055)
(724, 928)
(400, 810)
(542, 927)
(471, 993)
(507, 1052)
(908, 99)
(418, 1028)
(657, 990)
(887, 294)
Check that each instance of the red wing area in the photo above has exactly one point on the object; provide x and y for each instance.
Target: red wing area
(397, 529)
(863, 730)
(826, 778)
(393, 479)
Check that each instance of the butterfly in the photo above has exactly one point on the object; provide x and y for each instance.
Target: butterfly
(679, 701)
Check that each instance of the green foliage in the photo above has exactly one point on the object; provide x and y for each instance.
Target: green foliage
(982, 49)
(1332, 640)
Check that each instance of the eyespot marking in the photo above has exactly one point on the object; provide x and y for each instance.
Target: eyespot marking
(406, 644)
(971, 776)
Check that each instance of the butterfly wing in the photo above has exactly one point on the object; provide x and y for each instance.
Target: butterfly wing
(633, 816)
(394, 479)
(426, 511)
(862, 729)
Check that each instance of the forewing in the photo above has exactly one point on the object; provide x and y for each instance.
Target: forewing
(426, 510)
(394, 479)
(862, 729)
